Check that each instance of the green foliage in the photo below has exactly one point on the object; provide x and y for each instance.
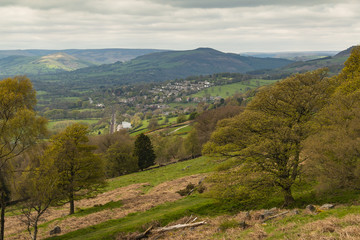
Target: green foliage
(268, 136)
(81, 171)
(207, 120)
(153, 124)
(120, 159)
(334, 150)
(144, 152)
(186, 191)
(192, 115)
(192, 144)
(20, 128)
(181, 118)
(39, 187)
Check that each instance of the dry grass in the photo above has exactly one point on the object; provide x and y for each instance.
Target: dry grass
(133, 199)
(331, 228)
(212, 228)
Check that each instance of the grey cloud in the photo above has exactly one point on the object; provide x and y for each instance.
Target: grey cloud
(179, 25)
(98, 5)
(244, 3)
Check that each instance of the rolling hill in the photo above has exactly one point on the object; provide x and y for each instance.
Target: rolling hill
(96, 56)
(295, 56)
(333, 63)
(168, 65)
(32, 65)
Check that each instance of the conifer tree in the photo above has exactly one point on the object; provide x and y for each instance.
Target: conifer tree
(144, 151)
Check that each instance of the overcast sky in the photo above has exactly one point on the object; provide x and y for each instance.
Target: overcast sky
(227, 25)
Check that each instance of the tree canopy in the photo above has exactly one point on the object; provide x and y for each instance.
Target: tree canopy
(20, 127)
(334, 152)
(144, 151)
(268, 136)
(81, 171)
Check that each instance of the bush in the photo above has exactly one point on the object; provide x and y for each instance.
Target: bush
(228, 224)
(189, 188)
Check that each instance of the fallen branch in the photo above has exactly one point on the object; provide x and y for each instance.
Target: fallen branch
(178, 226)
(193, 220)
(188, 221)
(275, 216)
(144, 234)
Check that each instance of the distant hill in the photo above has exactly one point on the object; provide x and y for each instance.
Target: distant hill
(53, 63)
(109, 55)
(295, 56)
(96, 56)
(333, 63)
(169, 65)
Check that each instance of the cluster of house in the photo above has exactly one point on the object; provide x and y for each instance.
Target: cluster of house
(174, 88)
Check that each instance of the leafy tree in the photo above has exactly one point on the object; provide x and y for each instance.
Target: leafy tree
(268, 136)
(167, 148)
(192, 145)
(153, 124)
(193, 115)
(40, 187)
(81, 171)
(105, 141)
(181, 118)
(334, 152)
(20, 128)
(144, 152)
(206, 121)
(120, 159)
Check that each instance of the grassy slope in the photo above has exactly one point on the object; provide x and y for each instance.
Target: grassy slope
(163, 174)
(287, 228)
(164, 213)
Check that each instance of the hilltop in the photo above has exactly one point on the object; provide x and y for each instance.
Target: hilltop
(95, 56)
(334, 63)
(52, 63)
(167, 66)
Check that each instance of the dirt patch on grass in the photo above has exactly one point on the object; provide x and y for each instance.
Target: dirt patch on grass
(133, 198)
(331, 228)
(211, 228)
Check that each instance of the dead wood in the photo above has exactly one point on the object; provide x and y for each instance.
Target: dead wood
(144, 234)
(275, 216)
(178, 226)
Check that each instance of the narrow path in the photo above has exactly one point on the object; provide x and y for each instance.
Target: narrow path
(178, 129)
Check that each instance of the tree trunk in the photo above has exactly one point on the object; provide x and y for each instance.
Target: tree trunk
(3, 206)
(35, 230)
(71, 201)
(288, 198)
